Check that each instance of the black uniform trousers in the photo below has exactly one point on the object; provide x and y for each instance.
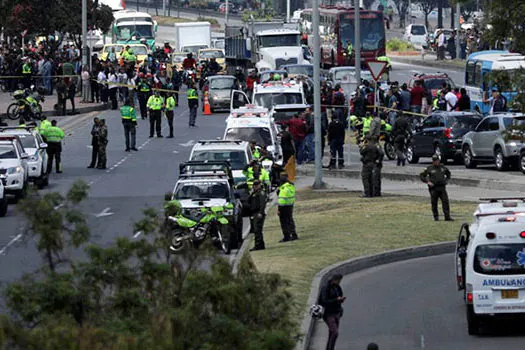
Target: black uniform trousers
(143, 100)
(176, 93)
(54, 149)
(257, 224)
(94, 152)
(287, 222)
(367, 178)
(154, 122)
(439, 192)
(130, 132)
(376, 180)
(336, 150)
(169, 117)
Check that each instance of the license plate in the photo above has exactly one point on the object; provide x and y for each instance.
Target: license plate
(509, 294)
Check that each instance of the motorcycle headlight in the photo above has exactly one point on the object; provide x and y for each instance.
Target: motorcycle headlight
(14, 170)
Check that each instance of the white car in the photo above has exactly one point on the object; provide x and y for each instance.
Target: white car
(35, 147)
(3, 198)
(490, 262)
(13, 164)
(416, 34)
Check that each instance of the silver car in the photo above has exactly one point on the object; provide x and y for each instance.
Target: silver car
(219, 89)
(496, 139)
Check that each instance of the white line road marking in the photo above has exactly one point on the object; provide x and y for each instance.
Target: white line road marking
(188, 144)
(138, 233)
(422, 341)
(105, 212)
(11, 242)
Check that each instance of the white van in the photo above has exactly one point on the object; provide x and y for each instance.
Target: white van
(417, 35)
(490, 262)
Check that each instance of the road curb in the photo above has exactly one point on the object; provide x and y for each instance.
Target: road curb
(491, 184)
(358, 264)
(427, 63)
(242, 251)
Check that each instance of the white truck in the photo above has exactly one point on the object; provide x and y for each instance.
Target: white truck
(192, 36)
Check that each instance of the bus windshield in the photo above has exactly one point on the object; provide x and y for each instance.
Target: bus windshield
(130, 30)
(280, 40)
(372, 32)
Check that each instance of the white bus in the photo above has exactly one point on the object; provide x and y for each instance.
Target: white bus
(132, 27)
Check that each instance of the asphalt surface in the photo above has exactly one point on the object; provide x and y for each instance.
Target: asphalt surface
(411, 305)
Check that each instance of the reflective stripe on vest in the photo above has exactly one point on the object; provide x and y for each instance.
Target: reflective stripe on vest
(126, 112)
(286, 194)
(54, 134)
(192, 94)
(366, 125)
(26, 69)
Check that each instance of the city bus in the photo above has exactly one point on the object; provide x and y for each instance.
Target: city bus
(487, 69)
(336, 28)
(132, 27)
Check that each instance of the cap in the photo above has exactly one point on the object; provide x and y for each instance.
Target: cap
(435, 157)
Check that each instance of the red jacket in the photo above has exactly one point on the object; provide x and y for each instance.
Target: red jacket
(297, 128)
(250, 81)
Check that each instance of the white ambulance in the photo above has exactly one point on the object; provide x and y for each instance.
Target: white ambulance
(267, 95)
(490, 262)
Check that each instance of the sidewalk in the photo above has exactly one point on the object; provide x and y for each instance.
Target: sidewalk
(429, 60)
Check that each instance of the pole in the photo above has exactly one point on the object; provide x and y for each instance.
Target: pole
(85, 49)
(164, 8)
(317, 96)
(458, 46)
(226, 11)
(357, 42)
(409, 11)
(287, 11)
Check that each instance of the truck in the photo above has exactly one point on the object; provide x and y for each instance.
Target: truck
(264, 45)
(132, 27)
(192, 36)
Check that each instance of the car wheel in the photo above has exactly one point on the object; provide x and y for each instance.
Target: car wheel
(473, 321)
(411, 157)
(522, 162)
(23, 192)
(468, 158)
(390, 150)
(3, 207)
(437, 150)
(499, 160)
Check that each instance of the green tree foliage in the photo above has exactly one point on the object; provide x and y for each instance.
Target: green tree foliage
(402, 10)
(133, 295)
(506, 19)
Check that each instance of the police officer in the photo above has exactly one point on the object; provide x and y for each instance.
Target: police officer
(193, 104)
(26, 73)
(94, 143)
(171, 102)
(54, 136)
(254, 171)
(144, 93)
(369, 157)
(257, 202)
(285, 203)
(436, 177)
(44, 124)
(155, 106)
(176, 80)
(349, 51)
(129, 121)
(102, 143)
(376, 173)
(256, 150)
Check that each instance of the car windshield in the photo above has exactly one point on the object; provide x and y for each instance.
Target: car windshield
(344, 74)
(237, 159)
(261, 136)
(28, 141)
(194, 49)
(437, 83)
(277, 98)
(286, 114)
(139, 50)
(500, 259)
(464, 122)
(221, 83)
(178, 59)
(202, 190)
(418, 30)
(7, 152)
(108, 49)
(304, 70)
(139, 31)
(211, 54)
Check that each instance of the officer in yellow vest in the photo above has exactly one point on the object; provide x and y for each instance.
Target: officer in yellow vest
(193, 104)
(367, 120)
(26, 73)
(155, 106)
(129, 121)
(144, 93)
(285, 203)
(44, 124)
(171, 102)
(254, 171)
(54, 136)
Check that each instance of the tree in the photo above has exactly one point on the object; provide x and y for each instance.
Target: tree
(132, 295)
(427, 6)
(402, 10)
(506, 19)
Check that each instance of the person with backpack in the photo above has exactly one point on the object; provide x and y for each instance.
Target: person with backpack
(331, 299)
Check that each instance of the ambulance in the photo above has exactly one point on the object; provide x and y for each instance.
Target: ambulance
(490, 262)
(267, 95)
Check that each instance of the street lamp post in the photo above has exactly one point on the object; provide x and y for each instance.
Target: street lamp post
(85, 48)
(317, 96)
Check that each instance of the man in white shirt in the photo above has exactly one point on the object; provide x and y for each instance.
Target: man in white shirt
(451, 99)
(441, 46)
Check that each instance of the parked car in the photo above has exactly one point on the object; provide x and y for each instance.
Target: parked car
(441, 134)
(496, 139)
(219, 89)
(417, 35)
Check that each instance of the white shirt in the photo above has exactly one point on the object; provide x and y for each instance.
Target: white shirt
(451, 99)
(101, 77)
(441, 39)
(113, 79)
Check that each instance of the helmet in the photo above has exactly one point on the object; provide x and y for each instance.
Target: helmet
(316, 311)
(172, 207)
(276, 76)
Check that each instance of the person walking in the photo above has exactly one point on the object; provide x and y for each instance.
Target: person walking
(144, 93)
(336, 140)
(86, 85)
(171, 102)
(436, 176)
(54, 136)
(176, 81)
(464, 100)
(369, 157)
(102, 144)
(113, 88)
(129, 121)
(331, 299)
(285, 204)
(193, 104)
(155, 106)
(61, 97)
(94, 142)
(71, 93)
(257, 200)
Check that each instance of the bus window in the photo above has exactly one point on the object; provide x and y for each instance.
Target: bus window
(477, 74)
(470, 74)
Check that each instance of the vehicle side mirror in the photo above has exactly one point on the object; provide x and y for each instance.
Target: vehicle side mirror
(24, 156)
(43, 145)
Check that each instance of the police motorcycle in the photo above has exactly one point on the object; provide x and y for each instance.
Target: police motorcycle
(209, 222)
(385, 136)
(27, 105)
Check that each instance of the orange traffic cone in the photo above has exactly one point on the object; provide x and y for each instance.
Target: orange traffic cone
(207, 108)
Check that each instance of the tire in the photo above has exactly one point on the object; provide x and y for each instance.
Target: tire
(390, 151)
(472, 321)
(468, 158)
(3, 207)
(411, 157)
(13, 112)
(437, 150)
(499, 160)
(521, 163)
(23, 192)
(180, 246)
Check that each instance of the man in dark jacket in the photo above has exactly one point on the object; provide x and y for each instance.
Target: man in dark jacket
(369, 157)
(257, 202)
(331, 298)
(336, 140)
(287, 144)
(94, 142)
(436, 176)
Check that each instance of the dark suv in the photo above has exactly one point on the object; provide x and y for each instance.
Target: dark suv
(441, 134)
(433, 82)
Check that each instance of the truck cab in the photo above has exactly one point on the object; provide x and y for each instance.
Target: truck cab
(278, 47)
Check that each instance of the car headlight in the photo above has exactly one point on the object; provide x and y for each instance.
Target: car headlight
(513, 144)
(14, 170)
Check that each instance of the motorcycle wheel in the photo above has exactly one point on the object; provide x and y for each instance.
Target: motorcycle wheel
(390, 151)
(178, 246)
(13, 112)
(223, 239)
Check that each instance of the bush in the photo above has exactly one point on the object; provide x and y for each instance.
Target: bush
(212, 21)
(398, 45)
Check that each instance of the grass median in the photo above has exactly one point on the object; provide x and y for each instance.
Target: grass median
(336, 226)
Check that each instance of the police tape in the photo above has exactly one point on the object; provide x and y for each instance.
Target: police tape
(134, 87)
(397, 110)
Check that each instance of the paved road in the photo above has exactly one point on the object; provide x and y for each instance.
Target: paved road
(410, 305)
